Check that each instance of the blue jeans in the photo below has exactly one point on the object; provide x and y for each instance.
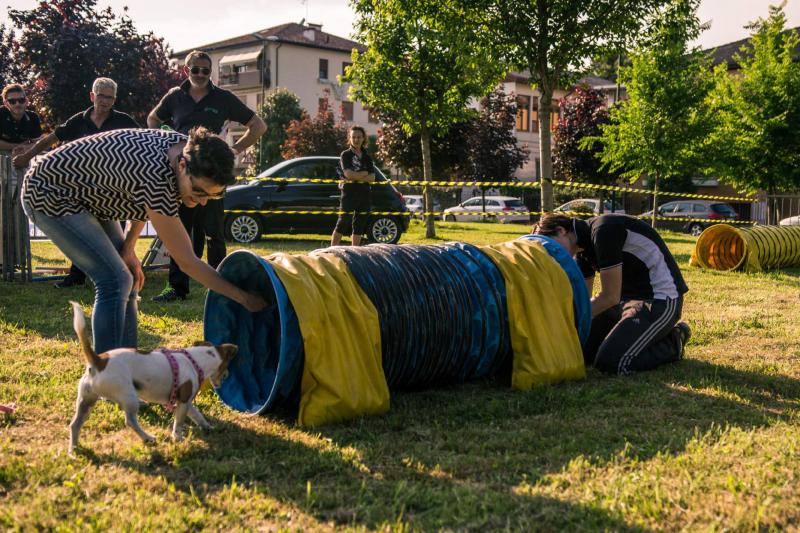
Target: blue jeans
(94, 245)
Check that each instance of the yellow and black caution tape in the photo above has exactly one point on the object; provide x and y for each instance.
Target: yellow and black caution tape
(512, 184)
(488, 214)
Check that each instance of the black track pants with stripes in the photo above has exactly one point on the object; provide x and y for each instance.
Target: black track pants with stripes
(635, 335)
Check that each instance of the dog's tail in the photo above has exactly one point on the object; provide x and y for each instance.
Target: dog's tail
(82, 331)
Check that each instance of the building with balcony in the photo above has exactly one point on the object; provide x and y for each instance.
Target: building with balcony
(299, 57)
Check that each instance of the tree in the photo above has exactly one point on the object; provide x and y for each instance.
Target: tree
(494, 154)
(757, 141)
(552, 40)
(424, 61)
(280, 108)
(65, 44)
(318, 136)
(662, 129)
(10, 71)
(449, 151)
(582, 114)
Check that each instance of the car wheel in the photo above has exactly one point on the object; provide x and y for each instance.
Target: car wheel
(244, 228)
(449, 218)
(384, 230)
(696, 229)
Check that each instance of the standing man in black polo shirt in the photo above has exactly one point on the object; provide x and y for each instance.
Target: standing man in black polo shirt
(18, 125)
(198, 102)
(101, 116)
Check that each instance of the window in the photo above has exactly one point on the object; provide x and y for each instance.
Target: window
(344, 67)
(472, 202)
(323, 69)
(514, 203)
(698, 208)
(492, 203)
(347, 111)
(523, 113)
(313, 170)
(683, 208)
(666, 208)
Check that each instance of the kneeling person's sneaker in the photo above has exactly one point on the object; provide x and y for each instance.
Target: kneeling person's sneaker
(169, 295)
(684, 333)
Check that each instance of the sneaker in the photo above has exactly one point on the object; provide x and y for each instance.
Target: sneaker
(684, 334)
(68, 282)
(169, 295)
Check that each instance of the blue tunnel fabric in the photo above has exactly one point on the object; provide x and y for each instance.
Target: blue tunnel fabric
(580, 294)
(267, 368)
(442, 317)
(442, 314)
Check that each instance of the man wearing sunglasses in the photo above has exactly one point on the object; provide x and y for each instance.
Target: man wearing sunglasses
(19, 126)
(100, 117)
(198, 102)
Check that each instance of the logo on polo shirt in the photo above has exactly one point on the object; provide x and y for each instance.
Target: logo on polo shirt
(212, 110)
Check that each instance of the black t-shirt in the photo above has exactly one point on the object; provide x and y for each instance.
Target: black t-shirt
(26, 129)
(649, 272)
(80, 125)
(349, 160)
(212, 111)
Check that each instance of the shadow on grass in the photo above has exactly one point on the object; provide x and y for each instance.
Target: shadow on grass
(461, 457)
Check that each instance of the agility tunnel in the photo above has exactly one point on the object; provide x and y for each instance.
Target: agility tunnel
(752, 249)
(346, 325)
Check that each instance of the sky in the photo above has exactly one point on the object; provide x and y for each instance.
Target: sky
(188, 24)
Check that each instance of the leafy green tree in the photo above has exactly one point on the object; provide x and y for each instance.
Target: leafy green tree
(449, 151)
(662, 129)
(552, 40)
(757, 141)
(65, 44)
(424, 61)
(320, 135)
(494, 154)
(582, 114)
(280, 108)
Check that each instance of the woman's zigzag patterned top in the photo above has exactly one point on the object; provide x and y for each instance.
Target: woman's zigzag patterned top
(115, 175)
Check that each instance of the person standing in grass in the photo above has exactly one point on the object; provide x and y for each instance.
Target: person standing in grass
(358, 169)
(77, 194)
(635, 316)
(101, 116)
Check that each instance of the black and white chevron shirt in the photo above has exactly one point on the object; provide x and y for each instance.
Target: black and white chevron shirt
(114, 175)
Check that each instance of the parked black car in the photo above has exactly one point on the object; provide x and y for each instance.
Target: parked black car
(714, 212)
(263, 195)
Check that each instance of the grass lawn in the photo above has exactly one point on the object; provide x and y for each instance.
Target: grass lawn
(711, 443)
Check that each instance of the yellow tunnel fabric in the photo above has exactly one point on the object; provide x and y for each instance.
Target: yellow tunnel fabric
(343, 371)
(540, 314)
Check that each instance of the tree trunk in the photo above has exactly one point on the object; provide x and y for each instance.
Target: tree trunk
(601, 207)
(655, 201)
(483, 204)
(545, 155)
(425, 136)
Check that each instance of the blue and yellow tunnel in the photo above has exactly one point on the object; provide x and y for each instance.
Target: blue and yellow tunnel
(346, 325)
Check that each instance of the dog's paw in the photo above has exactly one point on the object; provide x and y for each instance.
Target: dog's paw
(177, 437)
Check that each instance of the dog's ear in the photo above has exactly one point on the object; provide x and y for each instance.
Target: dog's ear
(227, 351)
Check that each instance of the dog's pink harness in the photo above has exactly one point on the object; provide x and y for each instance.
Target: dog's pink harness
(173, 365)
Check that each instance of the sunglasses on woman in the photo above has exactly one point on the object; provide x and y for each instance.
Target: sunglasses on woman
(14, 101)
(205, 71)
(199, 192)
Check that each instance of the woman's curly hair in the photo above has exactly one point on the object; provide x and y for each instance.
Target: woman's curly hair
(208, 156)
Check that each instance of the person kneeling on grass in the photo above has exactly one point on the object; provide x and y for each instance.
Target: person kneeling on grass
(78, 193)
(635, 315)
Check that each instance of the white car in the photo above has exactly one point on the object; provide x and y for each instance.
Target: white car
(791, 221)
(589, 205)
(499, 209)
(415, 203)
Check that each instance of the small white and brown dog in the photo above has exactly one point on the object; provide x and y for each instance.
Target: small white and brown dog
(123, 375)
